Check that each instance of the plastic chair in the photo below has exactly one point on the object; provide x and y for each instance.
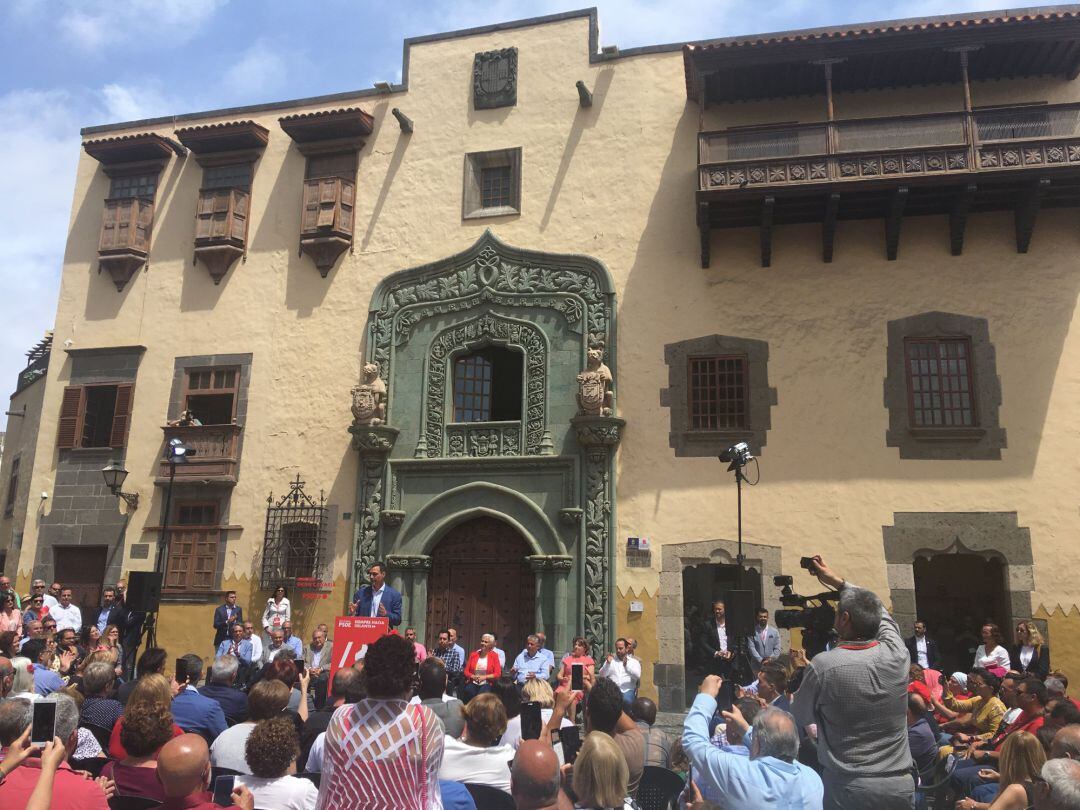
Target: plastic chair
(490, 798)
(118, 802)
(934, 794)
(659, 788)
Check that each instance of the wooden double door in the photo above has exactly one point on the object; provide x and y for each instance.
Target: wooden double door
(81, 568)
(480, 583)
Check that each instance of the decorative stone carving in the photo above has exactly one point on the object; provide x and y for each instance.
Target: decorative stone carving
(408, 562)
(571, 516)
(392, 517)
(495, 79)
(486, 327)
(550, 562)
(594, 397)
(369, 398)
(602, 431)
(373, 443)
(373, 439)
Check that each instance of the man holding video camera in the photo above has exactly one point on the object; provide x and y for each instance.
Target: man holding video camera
(856, 694)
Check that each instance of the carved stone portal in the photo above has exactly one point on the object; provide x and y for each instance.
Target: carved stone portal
(369, 398)
(594, 395)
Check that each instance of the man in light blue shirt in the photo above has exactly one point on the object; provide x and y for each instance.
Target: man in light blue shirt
(770, 778)
(237, 646)
(544, 651)
(292, 642)
(457, 647)
(531, 663)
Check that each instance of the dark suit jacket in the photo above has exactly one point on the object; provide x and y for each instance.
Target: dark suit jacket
(933, 658)
(710, 644)
(782, 702)
(222, 626)
(1039, 665)
(233, 702)
(117, 615)
(391, 600)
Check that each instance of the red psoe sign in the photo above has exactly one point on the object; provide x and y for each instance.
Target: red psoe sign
(352, 635)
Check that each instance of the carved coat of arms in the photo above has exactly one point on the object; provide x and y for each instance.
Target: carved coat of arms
(495, 79)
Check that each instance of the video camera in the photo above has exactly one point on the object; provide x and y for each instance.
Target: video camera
(813, 614)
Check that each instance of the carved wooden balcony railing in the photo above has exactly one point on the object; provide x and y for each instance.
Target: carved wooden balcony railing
(483, 439)
(326, 228)
(216, 457)
(124, 245)
(887, 167)
(221, 228)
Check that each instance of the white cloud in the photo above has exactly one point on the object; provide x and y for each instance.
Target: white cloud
(124, 102)
(90, 27)
(259, 71)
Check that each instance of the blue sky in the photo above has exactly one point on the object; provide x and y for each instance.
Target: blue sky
(65, 64)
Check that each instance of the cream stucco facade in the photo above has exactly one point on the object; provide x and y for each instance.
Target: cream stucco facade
(614, 182)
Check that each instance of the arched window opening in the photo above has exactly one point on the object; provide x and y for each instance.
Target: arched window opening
(487, 385)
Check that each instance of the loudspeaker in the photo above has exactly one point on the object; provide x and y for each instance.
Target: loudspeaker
(739, 608)
(144, 591)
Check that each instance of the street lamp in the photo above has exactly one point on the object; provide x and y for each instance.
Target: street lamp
(114, 476)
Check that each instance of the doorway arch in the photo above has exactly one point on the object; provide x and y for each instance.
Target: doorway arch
(481, 582)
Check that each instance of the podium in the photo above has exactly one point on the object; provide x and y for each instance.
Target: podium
(352, 635)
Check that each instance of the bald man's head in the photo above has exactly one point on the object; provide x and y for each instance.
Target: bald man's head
(534, 778)
(1066, 743)
(184, 765)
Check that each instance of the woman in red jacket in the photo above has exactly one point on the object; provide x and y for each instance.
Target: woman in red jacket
(482, 668)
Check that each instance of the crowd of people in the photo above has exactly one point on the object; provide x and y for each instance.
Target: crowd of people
(869, 723)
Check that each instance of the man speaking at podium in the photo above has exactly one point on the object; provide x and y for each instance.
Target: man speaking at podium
(378, 598)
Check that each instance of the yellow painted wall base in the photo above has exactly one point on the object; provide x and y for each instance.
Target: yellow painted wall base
(1064, 639)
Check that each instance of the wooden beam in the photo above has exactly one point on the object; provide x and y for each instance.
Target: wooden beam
(1027, 209)
(768, 205)
(892, 222)
(828, 226)
(958, 218)
(704, 232)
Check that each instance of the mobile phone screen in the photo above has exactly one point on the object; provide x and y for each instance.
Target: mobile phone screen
(531, 722)
(300, 666)
(43, 727)
(181, 671)
(571, 743)
(223, 788)
(577, 677)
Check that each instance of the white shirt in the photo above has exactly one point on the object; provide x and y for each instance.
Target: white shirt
(467, 763)
(415, 699)
(920, 651)
(316, 656)
(282, 793)
(721, 631)
(67, 618)
(1026, 654)
(624, 674)
(314, 757)
(502, 657)
(376, 599)
(227, 750)
(998, 658)
(1011, 715)
(49, 601)
(256, 648)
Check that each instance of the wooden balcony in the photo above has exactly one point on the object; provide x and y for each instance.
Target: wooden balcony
(326, 227)
(1014, 159)
(221, 228)
(124, 244)
(216, 458)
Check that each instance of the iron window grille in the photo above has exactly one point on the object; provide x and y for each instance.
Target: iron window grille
(295, 543)
(718, 393)
(940, 383)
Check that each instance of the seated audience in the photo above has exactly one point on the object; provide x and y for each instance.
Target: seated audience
(222, 688)
(266, 701)
(100, 708)
(986, 709)
(481, 669)
(272, 749)
(657, 742)
(921, 740)
(1057, 788)
(540, 692)
(70, 789)
(579, 654)
(22, 684)
(623, 670)
(151, 661)
(991, 655)
(374, 747)
(87, 746)
(283, 668)
(184, 772)
(532, 663)
(143, 732)
(294, 643)
(604, 712)
(535, 778)
(478, 758)
(421, 650)
(1030, 654)
(1012, 785)
(193, 712)
(344, 689)
(237, 646)
(601, 774)
(152, 692)
(770, 777)
(45, 680)
(432, 693)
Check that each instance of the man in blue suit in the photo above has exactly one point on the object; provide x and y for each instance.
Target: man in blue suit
(765, 641)
(378, 598)
(225, 616)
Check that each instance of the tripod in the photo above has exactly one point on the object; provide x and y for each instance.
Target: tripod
(742, 670)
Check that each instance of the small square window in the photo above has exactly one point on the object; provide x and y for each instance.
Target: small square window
(127, 186)
(492, 184)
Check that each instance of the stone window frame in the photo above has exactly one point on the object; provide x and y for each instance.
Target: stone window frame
(471, 199)
(760, 397)
(930, 534)
(983, 441)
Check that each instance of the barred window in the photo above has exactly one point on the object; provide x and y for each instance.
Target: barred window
(488, 386)
(939, 378)
(718, 393)
(496, 186)
(295, 544)
(133, 185)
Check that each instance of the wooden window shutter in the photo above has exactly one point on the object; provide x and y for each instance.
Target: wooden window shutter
(71, 416)
(144, 220)
(330, 189)
(121, 416)
(108, 226)
(238, 219)
(345, 210)
(204, 215)
(311, 206)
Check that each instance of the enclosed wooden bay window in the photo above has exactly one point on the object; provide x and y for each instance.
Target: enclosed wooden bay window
(331, 141)
(227, 153)
(133, 163)
(193, 536)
